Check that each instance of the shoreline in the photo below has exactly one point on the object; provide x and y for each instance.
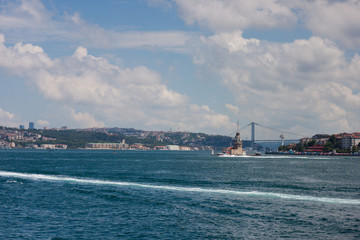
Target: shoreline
(314, 154)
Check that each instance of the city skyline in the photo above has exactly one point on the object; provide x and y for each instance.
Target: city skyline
(196, 66)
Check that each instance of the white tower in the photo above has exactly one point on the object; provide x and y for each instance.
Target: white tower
(282, 136)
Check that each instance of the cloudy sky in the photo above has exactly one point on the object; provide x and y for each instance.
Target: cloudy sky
(184, 65)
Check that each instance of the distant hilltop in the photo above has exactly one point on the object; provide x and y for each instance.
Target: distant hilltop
(325, 143)
(62, 138)
(88, 138)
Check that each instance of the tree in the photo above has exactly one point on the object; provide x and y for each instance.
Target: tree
(312, 143)
(355, 149)
(328, 147)
(283, 148)
(336, 143)
(300, 147)
(332, 139)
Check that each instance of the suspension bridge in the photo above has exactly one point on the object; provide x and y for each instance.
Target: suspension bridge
(282, 135)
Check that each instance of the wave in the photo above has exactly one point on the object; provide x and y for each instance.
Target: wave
(43, 177)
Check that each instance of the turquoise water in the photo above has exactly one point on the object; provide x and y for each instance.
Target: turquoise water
(78, 194)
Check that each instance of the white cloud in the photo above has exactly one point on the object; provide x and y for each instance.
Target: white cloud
(232, 108)
(228, 15)
(22, 57)
(23, 14)
(31, 21)
(337, 20)
(234, 42)
(104, 93)
(97, 37)
(7, 119)
(306, 83)
(43, 122)
(86, 120)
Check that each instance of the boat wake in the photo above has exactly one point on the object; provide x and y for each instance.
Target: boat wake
(54, 178)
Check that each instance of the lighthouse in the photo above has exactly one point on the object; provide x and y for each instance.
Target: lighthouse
(237, 146)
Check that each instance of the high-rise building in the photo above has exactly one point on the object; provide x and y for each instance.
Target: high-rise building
(21, 127)
(31, 125)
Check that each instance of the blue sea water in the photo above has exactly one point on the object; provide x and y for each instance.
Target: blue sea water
(84, 194)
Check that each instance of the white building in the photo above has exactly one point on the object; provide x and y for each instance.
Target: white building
(348, 142)
(185, 148)
(173, 147)
(117, 146)
(48, 146)
(51, 146)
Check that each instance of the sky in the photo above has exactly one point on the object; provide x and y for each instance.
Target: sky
(182, 65)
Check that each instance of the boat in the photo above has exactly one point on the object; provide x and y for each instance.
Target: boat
(255, 154)
(227, 154)
(231, 155)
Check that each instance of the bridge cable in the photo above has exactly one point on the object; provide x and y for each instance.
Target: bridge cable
(274, 129)
(231, 134)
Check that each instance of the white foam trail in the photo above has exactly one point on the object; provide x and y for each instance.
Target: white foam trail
(42, 177)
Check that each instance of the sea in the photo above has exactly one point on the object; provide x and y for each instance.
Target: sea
(99, 194)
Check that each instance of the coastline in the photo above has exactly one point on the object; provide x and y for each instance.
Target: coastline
(356, 154)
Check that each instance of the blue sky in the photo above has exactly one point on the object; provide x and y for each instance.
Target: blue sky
(181, 64)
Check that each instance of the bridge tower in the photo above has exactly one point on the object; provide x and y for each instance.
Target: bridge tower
(282, 136)
(252, 135)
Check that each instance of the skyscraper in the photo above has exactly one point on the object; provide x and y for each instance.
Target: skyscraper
(31, 125)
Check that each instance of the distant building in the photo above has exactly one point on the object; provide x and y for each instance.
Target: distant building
(48, 146)
(139, 147)
(173, 147)
(21, 127)
(185, 148)
(160, 148)
(321, 139)
(348, 142)
(31, 125)
(53, 146)
(305, 140)
(115, 146)
(317, 148)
